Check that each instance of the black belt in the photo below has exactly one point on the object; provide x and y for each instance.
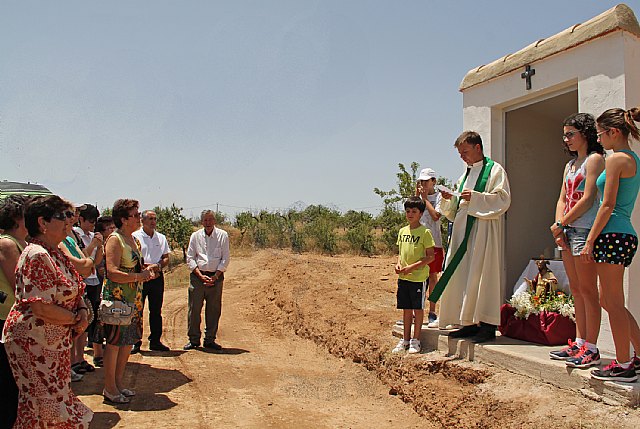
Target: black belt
(208, 273)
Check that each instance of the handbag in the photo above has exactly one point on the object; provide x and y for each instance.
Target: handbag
(115, 312)
(89, 305)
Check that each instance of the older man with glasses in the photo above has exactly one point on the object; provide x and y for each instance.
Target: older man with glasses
(155, 253)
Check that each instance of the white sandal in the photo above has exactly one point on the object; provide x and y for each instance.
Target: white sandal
(128, 393)
(115, 399)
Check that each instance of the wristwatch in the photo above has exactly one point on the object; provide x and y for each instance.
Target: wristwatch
(559, 224)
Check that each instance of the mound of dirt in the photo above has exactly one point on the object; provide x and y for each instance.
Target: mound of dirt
(346, 304)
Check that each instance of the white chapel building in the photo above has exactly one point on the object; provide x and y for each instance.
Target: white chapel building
(517, 104)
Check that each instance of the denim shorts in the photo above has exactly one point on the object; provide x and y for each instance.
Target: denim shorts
(576, 239)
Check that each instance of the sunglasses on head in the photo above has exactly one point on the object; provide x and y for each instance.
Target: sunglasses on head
(68, 214)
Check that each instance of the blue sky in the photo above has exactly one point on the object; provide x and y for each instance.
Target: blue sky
(246, 104)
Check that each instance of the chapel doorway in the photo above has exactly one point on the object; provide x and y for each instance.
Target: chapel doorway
(534, 160)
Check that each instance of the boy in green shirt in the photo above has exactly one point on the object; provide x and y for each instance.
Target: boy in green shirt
(416, 252)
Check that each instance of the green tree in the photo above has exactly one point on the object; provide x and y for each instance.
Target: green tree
(313, 212)
(244, 222)
(406, 186)
(322, 231)
(390, 221)
(352, 218)
(391, 218)
(177, 228)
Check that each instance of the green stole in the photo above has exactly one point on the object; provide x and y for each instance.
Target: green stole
(481, 185)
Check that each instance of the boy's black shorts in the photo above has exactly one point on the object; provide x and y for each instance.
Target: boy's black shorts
(411, 295)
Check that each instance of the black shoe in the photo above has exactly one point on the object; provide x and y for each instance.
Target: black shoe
(87, 366)
(190, 346)
(158, 347)
(615, 372)
(212, 345)
(486, 333)
(136, 348)
(78, 368)
(465, 331)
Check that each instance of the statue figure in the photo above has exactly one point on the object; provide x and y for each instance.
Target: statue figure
(544, 283)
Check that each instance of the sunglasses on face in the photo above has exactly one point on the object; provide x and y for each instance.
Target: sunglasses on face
(569, 135)
(63, 215)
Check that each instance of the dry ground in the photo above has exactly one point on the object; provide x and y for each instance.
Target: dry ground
(306, 345)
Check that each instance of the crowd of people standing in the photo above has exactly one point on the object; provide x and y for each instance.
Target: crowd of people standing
(64, 271)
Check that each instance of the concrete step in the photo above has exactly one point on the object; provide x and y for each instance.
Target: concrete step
(531, 360)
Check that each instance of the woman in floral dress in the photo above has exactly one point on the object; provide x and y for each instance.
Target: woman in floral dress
(123, 283)
(48, 313)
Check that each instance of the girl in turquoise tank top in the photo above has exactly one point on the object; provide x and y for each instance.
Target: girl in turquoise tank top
(613, 241)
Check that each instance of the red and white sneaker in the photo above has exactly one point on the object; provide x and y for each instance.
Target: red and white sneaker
(584, 359)
(568, 352)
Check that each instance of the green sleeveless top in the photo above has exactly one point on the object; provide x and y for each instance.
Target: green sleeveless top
(5, 287)
(620, 220)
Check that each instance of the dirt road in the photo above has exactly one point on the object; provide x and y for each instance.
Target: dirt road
(306, 345)
(262, 379)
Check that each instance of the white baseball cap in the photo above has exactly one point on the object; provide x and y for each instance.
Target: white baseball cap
(427, 174)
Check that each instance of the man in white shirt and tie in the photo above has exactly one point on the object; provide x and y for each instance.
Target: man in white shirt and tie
(208, 258)
(155, 252)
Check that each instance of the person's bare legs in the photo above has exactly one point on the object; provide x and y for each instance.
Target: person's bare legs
(612, 300)
(569, 262)
(407, 320)
(433, 279)
(110, 362)
(77, 350)
(417, 327)
(589, 300)
(97, 350)
(121, 365)
(635, 332)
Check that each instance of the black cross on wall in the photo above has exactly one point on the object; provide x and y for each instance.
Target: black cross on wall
(528, 72)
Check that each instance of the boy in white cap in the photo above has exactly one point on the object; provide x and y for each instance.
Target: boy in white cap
(426, 190)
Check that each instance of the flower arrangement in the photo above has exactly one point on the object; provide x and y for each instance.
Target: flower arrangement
(526, 303)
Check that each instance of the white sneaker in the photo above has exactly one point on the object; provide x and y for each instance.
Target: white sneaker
(414, 346)
(454, 326)
(401, 346)
(434, 324)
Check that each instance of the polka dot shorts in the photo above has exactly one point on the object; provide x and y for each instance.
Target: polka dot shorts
(615, 248)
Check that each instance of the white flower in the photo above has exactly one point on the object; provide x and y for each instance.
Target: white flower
(523, 304)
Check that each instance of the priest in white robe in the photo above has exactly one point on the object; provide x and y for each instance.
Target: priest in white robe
(473, 294)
